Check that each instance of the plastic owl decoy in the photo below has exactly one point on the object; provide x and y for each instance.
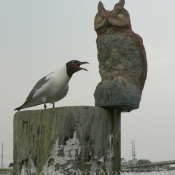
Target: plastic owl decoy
(122, 60)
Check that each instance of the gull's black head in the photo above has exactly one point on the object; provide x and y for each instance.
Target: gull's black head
(74, 66)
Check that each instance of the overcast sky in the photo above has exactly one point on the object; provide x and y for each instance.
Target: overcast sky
(38, 37)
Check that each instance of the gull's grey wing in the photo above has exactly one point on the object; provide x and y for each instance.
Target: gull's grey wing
(38, 85)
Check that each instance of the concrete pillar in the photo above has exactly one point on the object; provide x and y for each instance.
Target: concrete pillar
(65, 139)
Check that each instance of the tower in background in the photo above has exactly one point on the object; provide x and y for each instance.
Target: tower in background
(133, 153)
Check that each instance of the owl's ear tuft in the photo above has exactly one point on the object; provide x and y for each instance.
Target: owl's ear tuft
(120, 4)
(100, 6)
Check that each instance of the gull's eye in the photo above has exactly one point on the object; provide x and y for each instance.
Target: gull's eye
(73, 62)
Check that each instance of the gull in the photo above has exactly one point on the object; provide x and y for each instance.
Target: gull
(52, 87)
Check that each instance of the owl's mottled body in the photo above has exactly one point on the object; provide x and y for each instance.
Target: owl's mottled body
(122, 60)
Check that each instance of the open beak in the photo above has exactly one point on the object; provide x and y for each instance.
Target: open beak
(81, 68)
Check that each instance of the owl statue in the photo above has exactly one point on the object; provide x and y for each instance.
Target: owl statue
(122, 60)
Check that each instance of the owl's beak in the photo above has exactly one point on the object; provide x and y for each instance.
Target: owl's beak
(107, 23)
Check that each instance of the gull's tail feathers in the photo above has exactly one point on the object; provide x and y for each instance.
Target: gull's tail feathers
(25, 105)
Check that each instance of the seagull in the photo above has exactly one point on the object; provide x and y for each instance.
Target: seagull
(52, 87)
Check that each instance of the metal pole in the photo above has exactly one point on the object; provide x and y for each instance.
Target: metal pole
(2, 157)
(117, 141)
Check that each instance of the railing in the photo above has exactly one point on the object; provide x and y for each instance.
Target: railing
(150, 164)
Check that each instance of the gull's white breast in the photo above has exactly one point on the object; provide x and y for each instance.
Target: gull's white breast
(55, 88)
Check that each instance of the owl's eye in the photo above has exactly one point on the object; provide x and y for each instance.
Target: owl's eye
(100, 19)
(119, 17)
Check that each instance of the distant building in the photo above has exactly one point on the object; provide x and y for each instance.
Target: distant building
(132, 162)
(129, 162)
(143, 161)
(124, 161)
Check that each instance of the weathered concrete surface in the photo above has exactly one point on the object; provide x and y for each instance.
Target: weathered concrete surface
(64, 139)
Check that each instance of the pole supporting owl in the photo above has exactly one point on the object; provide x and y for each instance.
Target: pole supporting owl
(122, 60)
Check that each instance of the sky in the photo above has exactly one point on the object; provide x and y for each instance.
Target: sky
(38, 37)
